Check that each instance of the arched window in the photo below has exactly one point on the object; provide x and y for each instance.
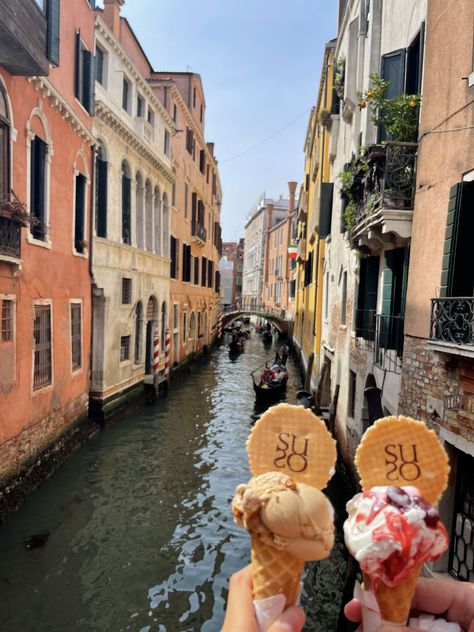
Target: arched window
(157, 221)
(126, 204)
(192, 326)
(185, 327)
(199, 325)
(138, 332)
(101, 192)
(166, 226)
(149, 216)
(163, 325)
(4, 146)
(139, 209)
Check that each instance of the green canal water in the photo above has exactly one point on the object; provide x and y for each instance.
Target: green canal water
(141, 536)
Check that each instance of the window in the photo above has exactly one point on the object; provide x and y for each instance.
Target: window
(202, 161)
(76, 336)
(186, 195)
(185, 325)
(275, 238)
(352, 394)
(79, 214)
(207, 173)
(344, 298)
(84, 75)
(38, 188)
(4, 146)
(138, 333)
(126, 94)
(308, 269)
(99, 65)
(140, 106)
(42, 372)
(124, 348)
(367, 297)
(189, 141)
(151, 116)
(175, 315)
(175, 114)
(210, 273)
(194, 98)
(186, 272)
(174, 250)
(7, 320)
(126, 291)
(101, 194)
(126, 205)
(196, 270)
(52, 31)
(203, 271)
(201, 113)
(390, 335)
(218, 281)
(166, 147)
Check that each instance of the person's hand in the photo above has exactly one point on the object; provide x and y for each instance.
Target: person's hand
(240, 615)
(452, 599)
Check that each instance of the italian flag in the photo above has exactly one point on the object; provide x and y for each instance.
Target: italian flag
(292, 249)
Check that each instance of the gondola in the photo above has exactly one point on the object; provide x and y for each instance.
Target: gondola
(267, 336)
(237, 345)
(272, 383)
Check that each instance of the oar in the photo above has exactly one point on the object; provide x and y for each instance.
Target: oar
(259, 367)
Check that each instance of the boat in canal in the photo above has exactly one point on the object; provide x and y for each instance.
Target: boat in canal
(272, 382)
(267, 336)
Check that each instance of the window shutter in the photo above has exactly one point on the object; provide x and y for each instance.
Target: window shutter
(196, 270)
(88, 80)
(193, 207)
(126, 206)
(325, 209)
(367, 297)
(450, 240)
(38, 157)
(53, 31)
(392, 70)
(101, 198)
(78, 67)
(79, 213)
(183, 275)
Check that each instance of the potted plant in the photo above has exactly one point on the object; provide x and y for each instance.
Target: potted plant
(339, 76)
(16, 210)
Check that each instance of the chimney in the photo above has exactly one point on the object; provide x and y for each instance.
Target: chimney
(291, 189)
(112, 15)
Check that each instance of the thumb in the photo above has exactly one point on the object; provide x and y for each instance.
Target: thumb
(292, 620)
(391, 628)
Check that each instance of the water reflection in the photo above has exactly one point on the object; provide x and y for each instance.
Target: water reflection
(141, 534)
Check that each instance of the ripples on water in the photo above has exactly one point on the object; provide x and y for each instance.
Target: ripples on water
(141, 533)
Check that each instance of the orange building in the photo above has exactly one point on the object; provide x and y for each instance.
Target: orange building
(277, 265)
(196, 242)
(46, 102)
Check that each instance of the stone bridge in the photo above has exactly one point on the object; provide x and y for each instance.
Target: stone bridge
(276, 318)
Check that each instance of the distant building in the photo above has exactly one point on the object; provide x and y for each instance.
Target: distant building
(258, 222)
(235, 253)
(226, 269)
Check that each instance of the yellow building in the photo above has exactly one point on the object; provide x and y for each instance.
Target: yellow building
(314, 225)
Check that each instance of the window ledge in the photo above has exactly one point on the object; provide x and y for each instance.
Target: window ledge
(13, 261)
(38, 242)
(467, 351)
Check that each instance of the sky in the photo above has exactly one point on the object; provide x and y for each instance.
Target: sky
(260, 64)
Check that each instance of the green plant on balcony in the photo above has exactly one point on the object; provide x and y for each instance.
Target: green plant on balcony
(16, 210)
(350, 215)
(398, 115)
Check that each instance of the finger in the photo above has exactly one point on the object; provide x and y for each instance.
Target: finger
(448, 596)
(353, 610)
(390, 628)
(292, 620)
(240, 613)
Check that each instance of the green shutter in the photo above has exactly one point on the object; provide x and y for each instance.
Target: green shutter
(450, 239)
(88, 79)
(53, 31)
(325, 209)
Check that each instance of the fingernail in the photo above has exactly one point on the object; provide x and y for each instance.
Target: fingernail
(292, 620)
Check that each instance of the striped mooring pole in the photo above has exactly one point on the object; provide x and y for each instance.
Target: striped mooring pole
(156, 350)
(219, 326)
(167, 353)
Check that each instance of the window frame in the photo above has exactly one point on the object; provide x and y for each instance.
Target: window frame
(74, 304)
(38, 387)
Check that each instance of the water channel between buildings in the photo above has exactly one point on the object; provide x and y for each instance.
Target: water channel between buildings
(141, 536)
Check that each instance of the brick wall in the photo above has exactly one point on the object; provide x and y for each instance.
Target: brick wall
(445, 377)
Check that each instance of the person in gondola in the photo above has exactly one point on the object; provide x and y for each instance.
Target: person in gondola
(284, 351)
(268, 327)
(267, 375)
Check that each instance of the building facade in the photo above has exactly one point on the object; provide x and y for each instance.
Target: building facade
(438, 352)
(196, 242)
(277, 265)
(233, 253)
(258, 222)
(45, 209)
(131, 248)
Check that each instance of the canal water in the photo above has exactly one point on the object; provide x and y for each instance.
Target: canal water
(135, 530)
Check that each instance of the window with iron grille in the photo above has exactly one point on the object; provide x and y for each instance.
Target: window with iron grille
(42, 350)
(126, 291)
(124, 348)
(175, 316)
(76, 337)
(7, 320)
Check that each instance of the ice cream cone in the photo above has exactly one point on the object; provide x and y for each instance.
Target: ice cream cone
(275, 572)
(395, 602)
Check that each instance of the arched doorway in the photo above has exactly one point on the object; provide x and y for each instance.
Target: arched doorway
(151, 323)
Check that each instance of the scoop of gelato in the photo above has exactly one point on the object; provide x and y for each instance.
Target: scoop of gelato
(289, 516)
(391, 530)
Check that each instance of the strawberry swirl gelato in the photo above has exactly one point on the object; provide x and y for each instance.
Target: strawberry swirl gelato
(391, 530)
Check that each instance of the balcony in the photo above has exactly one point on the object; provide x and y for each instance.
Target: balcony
(388, 347)
(301, 252)
(198, 233)
(10, 241)
(303, 206)
(452, 325)
(20, 53)
(384, 191)
(144, 130)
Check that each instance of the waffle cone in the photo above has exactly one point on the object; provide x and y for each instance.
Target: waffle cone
(395, 602)
(275, 572)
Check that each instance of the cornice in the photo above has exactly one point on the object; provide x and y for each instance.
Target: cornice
(102, 28)
(59, 103)
(106, 115)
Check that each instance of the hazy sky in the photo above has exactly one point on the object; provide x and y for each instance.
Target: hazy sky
(260, 63)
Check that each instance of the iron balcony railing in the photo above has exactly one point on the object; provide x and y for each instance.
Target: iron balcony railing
(10, 238)
(365, 324)
(388, 347)
(389, 179)
(452, 320)
(199, 231)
